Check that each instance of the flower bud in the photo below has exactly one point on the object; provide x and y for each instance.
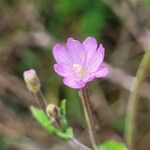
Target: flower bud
(53, 114)
(32, 80)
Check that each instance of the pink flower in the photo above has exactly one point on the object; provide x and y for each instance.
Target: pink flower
(79, 63)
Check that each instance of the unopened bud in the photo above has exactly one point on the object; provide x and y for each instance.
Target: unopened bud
(53, 113)
(32, 80)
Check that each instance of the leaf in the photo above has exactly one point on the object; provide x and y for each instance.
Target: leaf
(73, 103)
(68, 134)
(42, 118)
(63, 108)
(112, 145)
(63, 119)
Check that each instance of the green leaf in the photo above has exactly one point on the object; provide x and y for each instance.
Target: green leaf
(112, 145)
(42, 118)
(63, 108)
(68, 134)
(63, 119)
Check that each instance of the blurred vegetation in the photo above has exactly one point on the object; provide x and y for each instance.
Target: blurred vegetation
(28, 31)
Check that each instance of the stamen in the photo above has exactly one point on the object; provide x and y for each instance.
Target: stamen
(79, 70)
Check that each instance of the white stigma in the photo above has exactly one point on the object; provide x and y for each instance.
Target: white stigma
(79, 70)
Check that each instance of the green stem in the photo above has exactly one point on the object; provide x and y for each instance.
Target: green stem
(88, 116)
(130, 124)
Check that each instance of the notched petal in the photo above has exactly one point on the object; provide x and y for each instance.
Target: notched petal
(60, 54)
(73, 84)
(102, 49)
(76, 51)
(62, 70)
(90, 46)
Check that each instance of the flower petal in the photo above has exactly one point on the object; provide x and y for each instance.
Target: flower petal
(89, 78)
(102, 72)
(60, 54)
(76, 51)
(90, 46)
(73, 84)
(63, 70)
(97, 59)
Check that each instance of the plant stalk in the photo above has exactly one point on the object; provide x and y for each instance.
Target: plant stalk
(130, 124)
(88, 116)
(41, 100)
(77, 145)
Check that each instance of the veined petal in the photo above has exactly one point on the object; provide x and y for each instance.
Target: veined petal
(97, 59)
(90, 46)
(102, 72)
(73, 84)
(79, 63)
(102, 49)
(63, 70)
(89, 77)
(60, 54)
(76, 51)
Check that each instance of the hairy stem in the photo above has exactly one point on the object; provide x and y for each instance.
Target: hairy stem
(88, 116)
(75, 144)
(130, 125)
(41, 100)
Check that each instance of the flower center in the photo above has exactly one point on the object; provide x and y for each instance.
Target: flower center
(79, 70)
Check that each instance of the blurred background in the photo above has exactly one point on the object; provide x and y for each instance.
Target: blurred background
(28, 31)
